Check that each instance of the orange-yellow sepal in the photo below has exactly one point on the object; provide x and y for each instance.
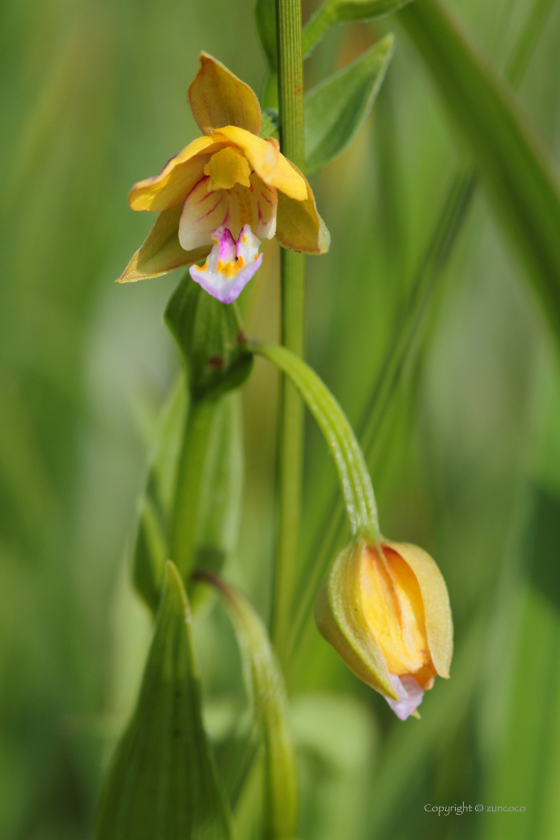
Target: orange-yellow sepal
(299, 226)
(341, 619)
(161, 252)
(218, 98)
(386, 611)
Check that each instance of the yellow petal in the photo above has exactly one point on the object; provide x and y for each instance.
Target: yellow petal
(267, 161)
(393, 606)
(439, 625)
(218, 98)
(161, 251)
(227, 168)
(177, 178)
(299, 226)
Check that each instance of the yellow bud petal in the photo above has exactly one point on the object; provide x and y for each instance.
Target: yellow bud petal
(439, 624)
(386, 612)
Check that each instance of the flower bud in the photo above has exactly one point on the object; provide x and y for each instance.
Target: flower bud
(385, 610)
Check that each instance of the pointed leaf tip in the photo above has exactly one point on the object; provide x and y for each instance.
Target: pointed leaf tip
(162, 782)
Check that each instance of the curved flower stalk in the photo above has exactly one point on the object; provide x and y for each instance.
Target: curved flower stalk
(386, 611)
(223, 194)
(383, 606)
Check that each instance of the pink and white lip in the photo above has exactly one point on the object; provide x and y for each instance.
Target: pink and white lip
(230, 264)
(410, 695)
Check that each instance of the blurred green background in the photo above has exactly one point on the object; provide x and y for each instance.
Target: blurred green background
(466, 456)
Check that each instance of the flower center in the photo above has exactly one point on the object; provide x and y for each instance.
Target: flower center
(227, 168)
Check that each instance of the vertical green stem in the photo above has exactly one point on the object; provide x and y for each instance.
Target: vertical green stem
(192, 463)
(290, 99)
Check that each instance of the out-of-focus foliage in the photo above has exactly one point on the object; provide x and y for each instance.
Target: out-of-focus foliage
(465, 459)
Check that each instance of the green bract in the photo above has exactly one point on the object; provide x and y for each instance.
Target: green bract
(211, 340)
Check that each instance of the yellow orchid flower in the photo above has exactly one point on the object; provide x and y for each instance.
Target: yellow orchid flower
(223, 194)
(386, 612)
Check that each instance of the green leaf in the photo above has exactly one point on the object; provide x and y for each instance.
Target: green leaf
(341, 11)
(162, 783)
(211, 340)
(152, 539)
(267, 694)
(353, 474)
(336, 110)
(513, 164)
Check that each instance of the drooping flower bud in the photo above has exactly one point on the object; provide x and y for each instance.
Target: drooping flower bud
(386, 612)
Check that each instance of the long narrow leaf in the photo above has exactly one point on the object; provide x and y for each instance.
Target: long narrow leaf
(513, 164)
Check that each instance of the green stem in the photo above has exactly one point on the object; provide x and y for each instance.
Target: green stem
(355, 481)
(187, 498)
(290, 100)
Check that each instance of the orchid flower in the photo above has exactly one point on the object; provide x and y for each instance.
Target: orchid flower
(385, 610)
(223, 194)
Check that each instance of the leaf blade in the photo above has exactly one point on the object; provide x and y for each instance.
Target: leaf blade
(336, 110)
(162, 782)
